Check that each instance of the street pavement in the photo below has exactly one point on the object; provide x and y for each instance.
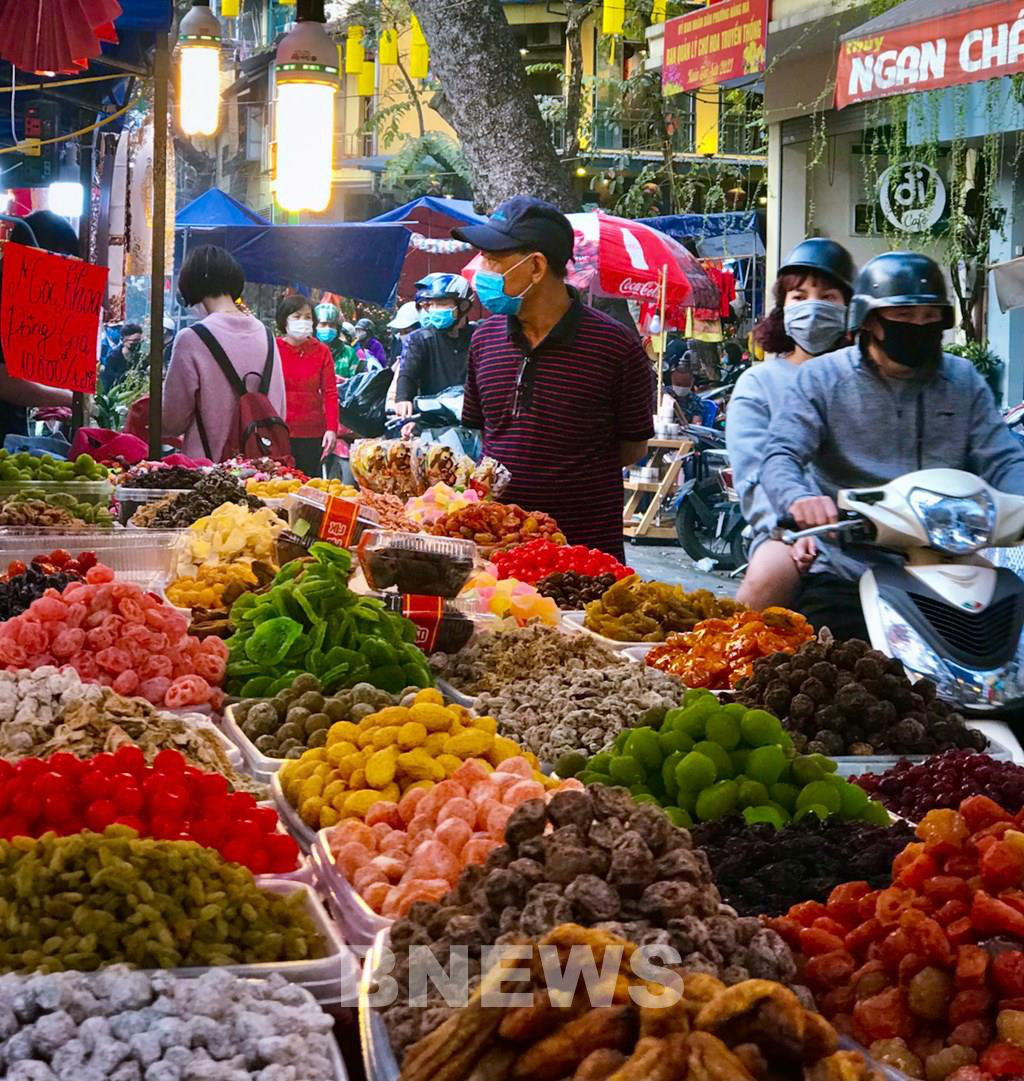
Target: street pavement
(669, 563)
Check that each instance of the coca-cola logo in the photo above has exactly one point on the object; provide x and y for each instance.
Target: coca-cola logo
(646, 290)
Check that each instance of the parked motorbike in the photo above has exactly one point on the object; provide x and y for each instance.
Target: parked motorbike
(438, 419)
(946, 613)
(735, 362)
(709, 522)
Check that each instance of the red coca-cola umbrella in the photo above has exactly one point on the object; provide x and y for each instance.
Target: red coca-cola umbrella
(618, 257)
(55, 35)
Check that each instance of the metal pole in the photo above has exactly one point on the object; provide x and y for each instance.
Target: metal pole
(662, 289)
(161, 80)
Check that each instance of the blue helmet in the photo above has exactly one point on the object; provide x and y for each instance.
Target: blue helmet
(442, 287)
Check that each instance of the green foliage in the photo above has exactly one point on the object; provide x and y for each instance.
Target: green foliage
(405, 169)
(988, 363)
(111, 406)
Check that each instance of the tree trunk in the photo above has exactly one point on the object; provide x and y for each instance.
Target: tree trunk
(574, 83)
(493, 112)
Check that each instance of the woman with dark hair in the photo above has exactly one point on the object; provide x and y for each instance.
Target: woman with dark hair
(199, 402)
(310, 384)
(812, 291)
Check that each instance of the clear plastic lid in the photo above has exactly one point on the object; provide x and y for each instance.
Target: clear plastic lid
(441, 625)
(317, 515)
(416, 562)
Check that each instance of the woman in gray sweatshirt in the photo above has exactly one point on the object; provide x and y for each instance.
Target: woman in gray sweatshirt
(811, 292)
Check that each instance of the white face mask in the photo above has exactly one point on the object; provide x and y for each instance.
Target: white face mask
(298, 328)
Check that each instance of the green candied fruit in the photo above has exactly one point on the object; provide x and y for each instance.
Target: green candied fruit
(876, 814)
(691, 719)
(764, 814)
(759, 727)
(752, 793)
(736, 710)
(668, 772)
(739, 759)
(671, 742)
(784, 811)
(852, 799)
(698, 694)
(718, 754)
(812, 809)
(626, 770)
(805, 770)
(620, 740)
(643, 745)
(600, 762)
(724, 730)
(784, 794)
(765, 764)
(678, 817)
(591, 777)
(819, 793)
(695, 772)
(644, 797)
(717, 801)
(570, 764)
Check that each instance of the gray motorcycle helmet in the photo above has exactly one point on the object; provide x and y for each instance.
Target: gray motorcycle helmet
(820, 253)
(898, 279)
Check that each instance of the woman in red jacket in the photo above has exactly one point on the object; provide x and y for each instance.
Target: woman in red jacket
(311, 391)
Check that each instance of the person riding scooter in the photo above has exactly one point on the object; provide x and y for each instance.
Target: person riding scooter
(890, 404)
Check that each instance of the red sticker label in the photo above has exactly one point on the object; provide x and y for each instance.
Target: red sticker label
(426, 613)
(339, 521)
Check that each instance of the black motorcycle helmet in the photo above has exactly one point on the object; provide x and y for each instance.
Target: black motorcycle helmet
(898, 279)
(819, 253)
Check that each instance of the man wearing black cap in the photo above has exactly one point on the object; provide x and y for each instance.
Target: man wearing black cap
(562, 392)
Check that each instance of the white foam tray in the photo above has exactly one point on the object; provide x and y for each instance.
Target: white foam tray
(359, 923)
(574, 621)
(260, 765)
(378, 1058)
(296, 827)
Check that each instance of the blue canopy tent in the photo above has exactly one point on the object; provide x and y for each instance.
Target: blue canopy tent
(216, 208)
(462, 209)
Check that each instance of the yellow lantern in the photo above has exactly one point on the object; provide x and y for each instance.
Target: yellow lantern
(613, 16)
(367, 81)
(229, 9)
(419, 52)
(354, 50)
(658, 11)
(306, 72)
(387, 50)
(199, 70)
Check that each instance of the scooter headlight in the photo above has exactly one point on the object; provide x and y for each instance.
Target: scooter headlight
(957, 525)
(908, 647)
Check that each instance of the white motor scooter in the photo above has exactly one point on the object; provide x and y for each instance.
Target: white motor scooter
(946, 613)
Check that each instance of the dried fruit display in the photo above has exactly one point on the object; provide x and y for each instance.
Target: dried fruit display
(169, 800)
(300, 716)
(387, 753)
(25, 468)
(943, 781)
(21, 585)
(706, 760)
(539, 558)
(762, 871)
(390, 510)
(158, 476)
(928, 973)
(607, 862)
(845, 698)
(165, 1026)
(637, 611)
(181, 510)
(230, 534)
(197, 909)
(571, 591)
(385, 466)
(718, 653)
(33, 509)
(752, 1031)
(497, 525)
(413, 563)
(217, 585)
(415, 849)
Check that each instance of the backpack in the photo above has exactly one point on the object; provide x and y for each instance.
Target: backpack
(256, 431)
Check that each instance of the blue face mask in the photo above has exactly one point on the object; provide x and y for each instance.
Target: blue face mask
(438, 318)
(326, 334)
(490, 290)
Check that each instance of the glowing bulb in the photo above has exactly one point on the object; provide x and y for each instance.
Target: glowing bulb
(66, 198)
(580, 170)
(199, 67)
(305, 145)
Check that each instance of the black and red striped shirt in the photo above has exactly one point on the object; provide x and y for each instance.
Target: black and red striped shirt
(555, 415)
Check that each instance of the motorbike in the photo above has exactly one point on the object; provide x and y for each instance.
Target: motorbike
(709, 522)
(735, 362)
(438, 419)
(944, 611)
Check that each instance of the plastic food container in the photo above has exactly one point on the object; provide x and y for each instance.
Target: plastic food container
(315, 515)
(854, 765)
(259, 765)
(98, 492)
(378, 1058)
(416, 563)
(296, 827)
(452, 695)
(441, 625)
(130, 499)
(359, 923)
(574, 621)
(145, 558)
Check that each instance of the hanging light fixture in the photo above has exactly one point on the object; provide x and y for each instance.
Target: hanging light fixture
(306, 72)
(199, 67)
(65, 195)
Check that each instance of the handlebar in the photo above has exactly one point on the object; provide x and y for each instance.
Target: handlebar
(788, 531)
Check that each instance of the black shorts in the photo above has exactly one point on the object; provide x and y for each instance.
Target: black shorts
(827, 600)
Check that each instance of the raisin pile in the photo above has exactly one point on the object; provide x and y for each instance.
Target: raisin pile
(762, 871)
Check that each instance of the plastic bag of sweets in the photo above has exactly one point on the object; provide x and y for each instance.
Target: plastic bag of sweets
(384, 465)
(436, 463)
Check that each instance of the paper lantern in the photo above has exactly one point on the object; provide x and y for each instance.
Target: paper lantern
(419, 52)
(387, 51)
(613, 15)
(354, 50)
(367, 81)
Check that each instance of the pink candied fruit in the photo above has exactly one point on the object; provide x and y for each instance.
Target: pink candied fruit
(409, 802)
(459, 807)
(384, 812)
(518, 765)
(366, 875)
(478, 849)
(484, 790)
(496, 819)
(376, 894)
(453, 833)
(470, 772)
(351, 830)
(99, 574)
(521, 792)
(392, 867)
(349, 857)
(397, 843)
(432, 858)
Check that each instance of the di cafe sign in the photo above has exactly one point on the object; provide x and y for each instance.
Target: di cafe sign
(912, 196)
(981, 42)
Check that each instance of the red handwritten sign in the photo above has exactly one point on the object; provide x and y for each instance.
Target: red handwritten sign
(50, 317)
(721, 42)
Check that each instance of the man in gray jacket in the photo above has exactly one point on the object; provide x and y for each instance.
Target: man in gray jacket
(864, 415)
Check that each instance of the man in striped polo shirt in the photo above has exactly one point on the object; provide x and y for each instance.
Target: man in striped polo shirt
(563, 393)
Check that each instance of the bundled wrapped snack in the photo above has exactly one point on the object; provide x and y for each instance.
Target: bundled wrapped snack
(436, 463)
(490, 479)
(384, 465)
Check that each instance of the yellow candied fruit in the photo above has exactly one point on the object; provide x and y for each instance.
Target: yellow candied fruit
(531, 758)
(434, 743)
(332, 790)
(366, 737)
(347, 766)
(338, 803)
(386, 737)
(336, 752)
(329, 816)
(433, 717)
(485, 724)
(429, 696)
(391, 715)
(470, 743)
(419, 765)
(315, 754)
(502, 749)
(381, 768)
(358, 778)
(311, 787)
(309, 811)
(412, 734)
(449, 762)
(358, 803)
(408, 785)
(344, 731)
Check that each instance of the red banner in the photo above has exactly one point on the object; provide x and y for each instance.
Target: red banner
(50, 317)
(965, 47)
(723, 41)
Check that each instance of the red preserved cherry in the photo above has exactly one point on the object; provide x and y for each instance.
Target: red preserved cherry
(58, 807)
(13, 826)
(27, 805)
(105, 763)
(94, 785)
(168, 803)
(130, 759)
(99, 814)
(168, 761)
(128, 796)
